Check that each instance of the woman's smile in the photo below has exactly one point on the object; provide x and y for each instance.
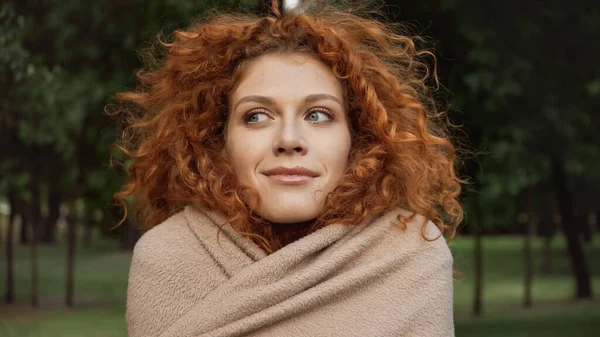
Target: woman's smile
(296, 175)
(290, 179)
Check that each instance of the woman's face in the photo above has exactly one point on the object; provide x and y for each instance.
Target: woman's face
(287, 134)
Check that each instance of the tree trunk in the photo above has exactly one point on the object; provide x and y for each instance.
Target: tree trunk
(577, 258)
(49, 233)
(71, 242)
(585, 228)
(549, 226)
(35, 207)
(88, 232)
(478, 262)
(25, 224)
(131, 235)
(478, 298)
(547, 256)
(9, 296)
(528, 250)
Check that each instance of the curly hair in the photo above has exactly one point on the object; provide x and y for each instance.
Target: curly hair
(401, 155)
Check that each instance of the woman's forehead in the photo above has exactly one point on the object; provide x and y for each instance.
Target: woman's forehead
(288, 75)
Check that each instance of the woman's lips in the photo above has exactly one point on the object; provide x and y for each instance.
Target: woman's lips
(289, 179)
(296, 175)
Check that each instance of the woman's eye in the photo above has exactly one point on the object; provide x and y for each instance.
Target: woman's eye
(318, 116)
(256, 117)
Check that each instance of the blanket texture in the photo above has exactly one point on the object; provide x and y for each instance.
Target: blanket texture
(371, 279)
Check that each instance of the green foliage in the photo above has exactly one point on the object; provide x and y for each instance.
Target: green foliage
(524, 79)
(60, 64)
(520, 89)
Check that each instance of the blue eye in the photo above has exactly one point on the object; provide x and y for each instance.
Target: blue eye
(254, 117)
(314, 116)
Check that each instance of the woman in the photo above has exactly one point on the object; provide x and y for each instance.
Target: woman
(292, 181)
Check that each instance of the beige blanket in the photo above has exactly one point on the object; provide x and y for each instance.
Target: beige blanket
(373, 279)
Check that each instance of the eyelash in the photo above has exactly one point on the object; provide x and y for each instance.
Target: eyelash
(327, 112)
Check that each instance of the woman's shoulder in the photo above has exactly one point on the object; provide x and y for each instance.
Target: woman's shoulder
(174, 231)
(169, 269)
(421, 235)
(171, 246)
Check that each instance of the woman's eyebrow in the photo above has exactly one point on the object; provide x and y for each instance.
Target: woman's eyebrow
(269, 101)
(320, 97)
(254, 98)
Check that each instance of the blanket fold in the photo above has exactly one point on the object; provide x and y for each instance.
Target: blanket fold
(370, 279)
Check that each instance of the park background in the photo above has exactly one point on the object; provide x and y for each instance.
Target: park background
(522, 78)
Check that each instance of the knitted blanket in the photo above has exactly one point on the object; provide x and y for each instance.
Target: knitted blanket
(370, 279)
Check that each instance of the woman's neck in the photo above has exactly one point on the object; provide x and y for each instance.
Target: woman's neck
(290, 232)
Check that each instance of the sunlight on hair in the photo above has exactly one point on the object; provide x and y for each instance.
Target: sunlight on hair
(290, 4)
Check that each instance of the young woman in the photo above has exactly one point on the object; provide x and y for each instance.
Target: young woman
(292, 180)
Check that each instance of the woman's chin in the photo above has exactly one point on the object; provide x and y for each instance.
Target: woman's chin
(291, 214)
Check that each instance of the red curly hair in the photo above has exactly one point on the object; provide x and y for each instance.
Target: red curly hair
(175, 121)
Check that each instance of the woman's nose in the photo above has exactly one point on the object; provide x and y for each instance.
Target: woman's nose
(290, 140)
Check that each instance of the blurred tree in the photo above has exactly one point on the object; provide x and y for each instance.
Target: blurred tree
(71, 248)
(525, 69)
(530, 111)
(530, 219)
(61, 61)
(9, 295)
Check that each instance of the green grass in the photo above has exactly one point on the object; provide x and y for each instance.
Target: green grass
(101, 273)
(554, 311)
(101, 283)
(100, 321)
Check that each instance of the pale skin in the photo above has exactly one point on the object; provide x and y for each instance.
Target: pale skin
(288, 111)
